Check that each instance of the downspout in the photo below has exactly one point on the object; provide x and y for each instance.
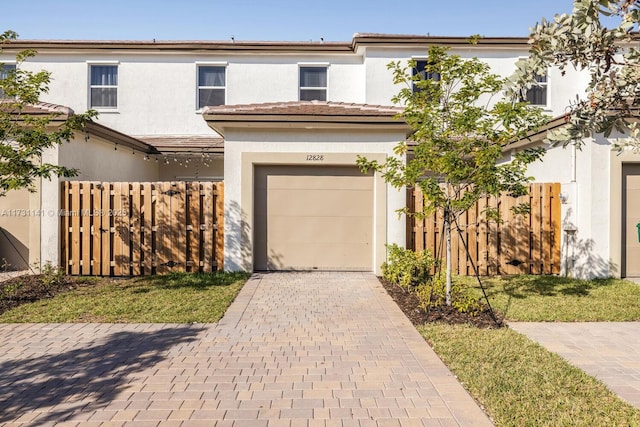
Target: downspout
(574, 150)
(570, 229)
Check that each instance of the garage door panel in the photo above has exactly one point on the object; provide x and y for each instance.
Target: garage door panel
(301, 256)
(340, 182)
(313, 218)
(335, 230)
(317, 202)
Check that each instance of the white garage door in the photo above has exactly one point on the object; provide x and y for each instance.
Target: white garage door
(313, 218)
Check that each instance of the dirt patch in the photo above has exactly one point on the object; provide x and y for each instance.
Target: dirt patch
(30, 288)
(409, 304)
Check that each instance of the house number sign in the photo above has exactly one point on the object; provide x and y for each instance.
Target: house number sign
(315, 157)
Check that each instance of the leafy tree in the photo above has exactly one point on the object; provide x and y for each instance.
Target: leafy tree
(596, 38)
(23, 136)
(458, 134)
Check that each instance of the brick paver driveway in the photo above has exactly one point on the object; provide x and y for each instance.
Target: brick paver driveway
(294, 349)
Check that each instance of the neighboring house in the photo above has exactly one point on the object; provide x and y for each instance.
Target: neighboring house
(283, 123)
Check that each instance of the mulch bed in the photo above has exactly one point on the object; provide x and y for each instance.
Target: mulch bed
(30, 288)
(408, 303)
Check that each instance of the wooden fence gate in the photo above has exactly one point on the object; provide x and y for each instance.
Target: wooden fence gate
(520, 244)
(141, 228)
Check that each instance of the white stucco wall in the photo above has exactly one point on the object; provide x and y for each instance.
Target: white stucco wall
(586, 178)
(238, 230)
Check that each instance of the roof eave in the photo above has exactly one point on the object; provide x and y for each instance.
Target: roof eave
(223, 122)
(115, 137)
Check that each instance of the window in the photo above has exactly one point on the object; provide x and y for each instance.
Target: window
(537, 95)
(420, 70)
(313, 83)
(211, 86)
(104, 86)
(5, 69)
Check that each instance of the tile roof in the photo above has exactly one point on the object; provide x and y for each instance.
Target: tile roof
(304, 108)
(184, 143)
(41, 108)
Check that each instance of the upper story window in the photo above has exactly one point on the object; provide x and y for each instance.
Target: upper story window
(5, 69)
(104, 86)
(211, 85)
(420, 69)
(537, 95)
(313, 83)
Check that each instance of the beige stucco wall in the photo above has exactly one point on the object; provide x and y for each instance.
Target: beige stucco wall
(19, 229)
(197, 169)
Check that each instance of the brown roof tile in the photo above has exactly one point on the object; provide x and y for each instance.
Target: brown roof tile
(41, 108)
(305, 108)
(174, 143)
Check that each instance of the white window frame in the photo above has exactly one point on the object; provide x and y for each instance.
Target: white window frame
(198, 87)
(90, 65)
(324, 65)
(542, 84)
(418, 59)
(10, 64)
(545, 86)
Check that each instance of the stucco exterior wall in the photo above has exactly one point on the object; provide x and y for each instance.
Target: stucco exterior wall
(591, 181)
(19, 229)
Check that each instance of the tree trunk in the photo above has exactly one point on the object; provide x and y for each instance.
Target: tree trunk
(447, 233)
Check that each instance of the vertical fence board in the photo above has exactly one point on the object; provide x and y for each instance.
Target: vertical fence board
(146, 211)
(462, 252)
(65, 227)
(472, 239)
(96, 218)
(193, 235)
(106, 229)
(208, 222)
(536, 231)
(546, 229)
(556, 224)
(75, 226)
(482, 254)
(493, 241)
(219, 209)
(85, 227)
(163, 246)
(179, 224)
(136, 229)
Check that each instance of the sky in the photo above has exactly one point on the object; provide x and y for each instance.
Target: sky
(269, 20)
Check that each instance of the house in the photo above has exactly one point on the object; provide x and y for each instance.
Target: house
(285, 121)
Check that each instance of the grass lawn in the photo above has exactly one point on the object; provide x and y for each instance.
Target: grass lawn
(559, 299)
(519, 382)
(171, 298)
(522, 384)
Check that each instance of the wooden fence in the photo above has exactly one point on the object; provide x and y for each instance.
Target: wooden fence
(520, 244)
(135, 228)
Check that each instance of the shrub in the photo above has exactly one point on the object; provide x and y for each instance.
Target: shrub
(432, 293)
(407, 268)
(51, 278)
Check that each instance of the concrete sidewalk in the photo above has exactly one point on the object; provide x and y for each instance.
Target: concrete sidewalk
(294, 349)
(608, 351)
